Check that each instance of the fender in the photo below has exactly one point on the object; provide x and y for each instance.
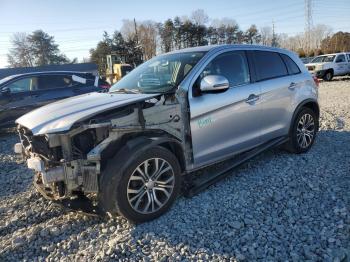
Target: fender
(302, 104)
(143, 143)
(150, 141)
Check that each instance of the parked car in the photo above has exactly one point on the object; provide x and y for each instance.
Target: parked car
(327, 66)
(127, 151)
(22, 93)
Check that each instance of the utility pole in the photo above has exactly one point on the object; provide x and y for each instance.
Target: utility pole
(137, 39)
(274, 38)
(308, 25)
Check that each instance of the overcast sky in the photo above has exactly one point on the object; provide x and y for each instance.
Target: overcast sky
(77, 25)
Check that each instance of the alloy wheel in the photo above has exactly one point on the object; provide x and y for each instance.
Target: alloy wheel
(151, 185)
(305, 130)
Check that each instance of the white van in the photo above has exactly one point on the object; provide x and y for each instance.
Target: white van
(327, 66)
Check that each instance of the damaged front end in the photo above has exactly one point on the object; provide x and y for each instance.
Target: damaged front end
(68, 164)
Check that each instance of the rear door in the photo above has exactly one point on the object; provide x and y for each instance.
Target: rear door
(52, 87)
(278, 88)
(227, 122)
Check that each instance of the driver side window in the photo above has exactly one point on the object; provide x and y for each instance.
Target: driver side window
(340, 59)
(232, 65)
(24, 85)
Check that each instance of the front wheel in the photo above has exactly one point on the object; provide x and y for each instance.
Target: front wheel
(328, 76)
(143, 188)
(303, 131)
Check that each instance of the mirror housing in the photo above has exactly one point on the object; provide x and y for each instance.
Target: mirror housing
(214, 83)
(5, 91)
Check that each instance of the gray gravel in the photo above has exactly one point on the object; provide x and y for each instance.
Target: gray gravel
(276, 207)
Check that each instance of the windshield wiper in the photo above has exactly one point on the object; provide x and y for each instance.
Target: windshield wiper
(126, 91)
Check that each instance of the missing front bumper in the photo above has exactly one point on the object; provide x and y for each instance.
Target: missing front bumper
(80, 203)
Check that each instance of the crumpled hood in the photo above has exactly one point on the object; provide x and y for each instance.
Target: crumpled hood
(61, 115)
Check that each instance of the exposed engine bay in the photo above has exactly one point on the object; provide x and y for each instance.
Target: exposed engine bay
(69, 164)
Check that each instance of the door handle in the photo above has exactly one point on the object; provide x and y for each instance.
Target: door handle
(252, 98)
(292, 85)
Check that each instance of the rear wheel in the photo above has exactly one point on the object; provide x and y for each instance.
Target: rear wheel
(144, 188)
(303, 131)
(328, 76)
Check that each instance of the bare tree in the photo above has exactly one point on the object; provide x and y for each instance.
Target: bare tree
(266, 35)
(199, 17)
(20, 54)
(318, 33)
(148, 33)
(128, 29)
(225, 21)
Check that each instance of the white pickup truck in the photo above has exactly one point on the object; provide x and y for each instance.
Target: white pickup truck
(327, 66)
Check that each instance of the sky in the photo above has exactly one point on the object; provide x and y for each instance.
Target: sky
(77, 25)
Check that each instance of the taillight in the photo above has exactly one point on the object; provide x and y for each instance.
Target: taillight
(105, 86)
(317, 82)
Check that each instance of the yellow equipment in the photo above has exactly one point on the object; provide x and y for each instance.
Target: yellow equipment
(116, 69)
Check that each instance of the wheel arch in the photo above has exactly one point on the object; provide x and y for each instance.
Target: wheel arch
(330, 69)
(308, 103)
(143, 141)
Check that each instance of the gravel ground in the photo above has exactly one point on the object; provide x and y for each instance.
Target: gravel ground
(276, 207)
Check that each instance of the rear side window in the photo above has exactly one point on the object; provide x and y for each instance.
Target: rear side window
(291, 65)
(63, 81)
(55, 81)
(269, 65)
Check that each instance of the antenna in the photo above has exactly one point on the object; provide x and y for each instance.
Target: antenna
(308, 24)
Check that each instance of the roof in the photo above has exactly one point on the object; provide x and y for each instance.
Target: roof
(335, 53)
(50, 73)
(219, 47)
(81, 67)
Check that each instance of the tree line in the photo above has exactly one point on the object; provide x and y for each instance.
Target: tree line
(139, 41)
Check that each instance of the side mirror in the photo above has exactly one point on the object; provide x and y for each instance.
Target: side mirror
(5, 91)
(214, 83)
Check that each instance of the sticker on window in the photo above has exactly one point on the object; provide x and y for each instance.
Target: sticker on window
(79, 79)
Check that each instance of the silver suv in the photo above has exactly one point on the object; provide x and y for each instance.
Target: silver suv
(164, 126)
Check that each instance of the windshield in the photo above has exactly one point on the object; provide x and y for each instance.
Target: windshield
(323, 58)
(160, 74)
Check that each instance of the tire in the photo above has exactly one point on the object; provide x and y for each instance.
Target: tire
(296, 143)
(328, 76)
(125, 191)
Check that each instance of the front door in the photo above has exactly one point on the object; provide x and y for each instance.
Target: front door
(16, 99)
(341, 66)
(225, 123)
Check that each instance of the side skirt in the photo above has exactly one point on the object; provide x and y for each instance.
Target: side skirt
(195, 183)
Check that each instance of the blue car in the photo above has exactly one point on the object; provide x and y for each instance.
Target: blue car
(22, 93)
